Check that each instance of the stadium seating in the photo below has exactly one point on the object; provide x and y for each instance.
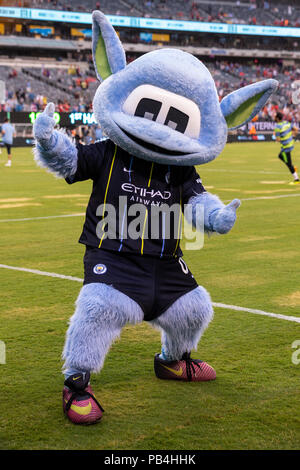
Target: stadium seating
(263, 12)
(71, 84)
(72, 88)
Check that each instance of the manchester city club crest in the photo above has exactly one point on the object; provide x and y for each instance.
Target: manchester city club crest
(100, 269)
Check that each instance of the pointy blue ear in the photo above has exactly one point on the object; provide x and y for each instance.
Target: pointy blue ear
(244, 104)
(108, 52)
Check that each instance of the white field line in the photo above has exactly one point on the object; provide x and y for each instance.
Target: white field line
(43, 218)
(279, 196)
(41, 273)
(261, 172)
(215, 304)
(257, 312)
(258, 198)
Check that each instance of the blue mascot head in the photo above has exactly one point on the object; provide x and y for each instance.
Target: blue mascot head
(164, 107)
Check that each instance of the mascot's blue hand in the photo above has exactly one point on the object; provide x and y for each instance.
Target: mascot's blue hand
(44, 124)
(224, 219)
(54, 149)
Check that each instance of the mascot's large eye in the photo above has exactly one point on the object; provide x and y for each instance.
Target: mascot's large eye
(177, 120)
(148, 109)
(166, 108)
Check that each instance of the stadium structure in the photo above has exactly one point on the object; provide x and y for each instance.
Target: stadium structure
(46, 53)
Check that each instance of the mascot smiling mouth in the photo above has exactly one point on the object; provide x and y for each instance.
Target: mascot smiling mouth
(152, 147)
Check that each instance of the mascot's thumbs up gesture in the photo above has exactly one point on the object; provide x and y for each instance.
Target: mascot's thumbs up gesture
(162, 116)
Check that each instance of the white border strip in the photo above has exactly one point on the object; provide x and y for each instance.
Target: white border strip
(215, 304)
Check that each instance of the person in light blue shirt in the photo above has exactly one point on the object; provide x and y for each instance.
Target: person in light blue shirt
(8, 133)
(99, 134)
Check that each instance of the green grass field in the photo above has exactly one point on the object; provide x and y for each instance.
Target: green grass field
(253, 404)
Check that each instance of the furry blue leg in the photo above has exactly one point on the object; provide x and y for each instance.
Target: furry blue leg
(183, 324)
(101, 313)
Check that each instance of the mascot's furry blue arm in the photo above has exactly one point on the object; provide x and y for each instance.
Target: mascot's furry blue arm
(162, 108)
(167, 76)
(54, 150)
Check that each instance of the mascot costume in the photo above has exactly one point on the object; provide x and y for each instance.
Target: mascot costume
(162, 116)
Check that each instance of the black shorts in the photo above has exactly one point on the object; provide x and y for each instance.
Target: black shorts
(8, 147)
(154, 283)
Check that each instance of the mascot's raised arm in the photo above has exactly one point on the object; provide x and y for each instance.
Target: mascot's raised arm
(162, 116)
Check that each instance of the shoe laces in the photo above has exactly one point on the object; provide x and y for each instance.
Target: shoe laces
(190, 365)
(82, 393)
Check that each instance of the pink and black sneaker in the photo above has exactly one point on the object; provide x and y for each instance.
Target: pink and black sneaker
(79, 403)
(187, 369)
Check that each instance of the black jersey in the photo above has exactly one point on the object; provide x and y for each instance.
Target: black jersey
(122, 186)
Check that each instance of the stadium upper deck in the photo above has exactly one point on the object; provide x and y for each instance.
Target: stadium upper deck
(259, 12)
